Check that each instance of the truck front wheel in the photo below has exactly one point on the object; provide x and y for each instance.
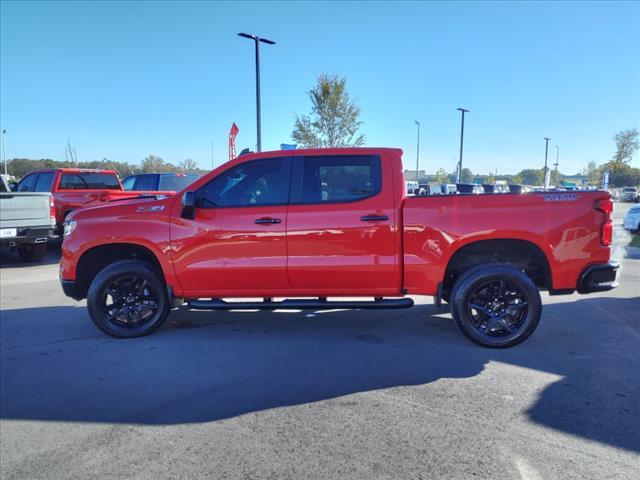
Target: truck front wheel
(128, 299)
(496, 305)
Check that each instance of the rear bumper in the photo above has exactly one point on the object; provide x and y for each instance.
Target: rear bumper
(598, 278)
(31, 235)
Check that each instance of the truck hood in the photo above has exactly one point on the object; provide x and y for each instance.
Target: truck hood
(155, 204)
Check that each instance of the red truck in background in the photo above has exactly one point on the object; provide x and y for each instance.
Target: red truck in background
(77, 187)
(328, 223)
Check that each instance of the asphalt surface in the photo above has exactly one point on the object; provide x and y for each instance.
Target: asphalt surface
(348, 394)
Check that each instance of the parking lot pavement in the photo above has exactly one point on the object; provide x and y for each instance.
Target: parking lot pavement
(347, 394)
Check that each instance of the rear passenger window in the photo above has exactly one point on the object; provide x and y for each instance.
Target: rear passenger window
(44, 182)
(340, 178)
(145, 182)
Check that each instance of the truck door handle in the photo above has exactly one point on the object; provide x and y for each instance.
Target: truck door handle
(267, 220)
(374, 218)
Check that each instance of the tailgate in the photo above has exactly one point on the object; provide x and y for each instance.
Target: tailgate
(24, 209)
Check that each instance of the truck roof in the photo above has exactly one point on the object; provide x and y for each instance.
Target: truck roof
(323, 151)
(75, 170)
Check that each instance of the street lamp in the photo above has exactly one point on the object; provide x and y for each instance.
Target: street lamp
(4, 154)
(546, 169)
(418, 150)
(257, 41)
(459, 172)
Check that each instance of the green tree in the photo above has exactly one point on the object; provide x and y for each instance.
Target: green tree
(155, 164)
(188, 165)
(334, 119)
(532, 176)
(592, 172)
(441, 175)
(625, 176)
(627, 143)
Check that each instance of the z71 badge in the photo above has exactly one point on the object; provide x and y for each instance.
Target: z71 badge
(151, 209)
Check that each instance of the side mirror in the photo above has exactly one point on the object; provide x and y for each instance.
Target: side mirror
(13, 186)
(188, 205)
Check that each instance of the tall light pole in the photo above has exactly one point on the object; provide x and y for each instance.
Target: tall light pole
(257, 41)
(4, 153)
(418, 150)
(557, 157)
(459, 172)
(546, 169)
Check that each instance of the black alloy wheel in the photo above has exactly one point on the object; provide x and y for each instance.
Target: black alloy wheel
(128, 299)
(495, 305)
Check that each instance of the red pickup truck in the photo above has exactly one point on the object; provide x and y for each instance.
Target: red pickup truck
(331, 224)
(77, 187)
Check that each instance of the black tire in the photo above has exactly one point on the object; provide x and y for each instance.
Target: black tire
(495, 305)
(32, 252)
(128, 299)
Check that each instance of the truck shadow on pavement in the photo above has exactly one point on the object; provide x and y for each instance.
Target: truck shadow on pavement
(202, 367)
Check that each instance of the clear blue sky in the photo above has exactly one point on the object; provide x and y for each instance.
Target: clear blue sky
(123, 80)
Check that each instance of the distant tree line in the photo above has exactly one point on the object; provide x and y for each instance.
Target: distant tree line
(621, 173)
(530, 176)
(19, 167)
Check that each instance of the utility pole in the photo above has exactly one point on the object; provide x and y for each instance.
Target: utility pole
(4, 153)
(257, 41)
(418, 150)
(557, 156)
(459, 169)
(546, 169)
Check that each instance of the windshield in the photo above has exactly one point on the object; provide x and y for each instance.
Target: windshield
(630, 189)
(175, 183)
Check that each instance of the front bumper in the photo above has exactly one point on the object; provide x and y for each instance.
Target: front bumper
(599, 278)
(69, 289)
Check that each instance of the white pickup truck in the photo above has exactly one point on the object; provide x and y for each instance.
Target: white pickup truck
(27, 221)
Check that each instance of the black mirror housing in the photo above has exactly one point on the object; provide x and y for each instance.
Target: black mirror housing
(188, 205)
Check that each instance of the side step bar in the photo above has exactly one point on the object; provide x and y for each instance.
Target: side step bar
(293, 304)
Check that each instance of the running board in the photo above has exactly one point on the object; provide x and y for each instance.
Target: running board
(292, 304)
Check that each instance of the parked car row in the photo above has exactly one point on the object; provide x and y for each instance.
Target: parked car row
(434, 188)
(27, 221)
(34, 209)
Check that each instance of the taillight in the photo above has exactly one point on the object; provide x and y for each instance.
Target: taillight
(606, 233)
(52, 210)
(605, 206)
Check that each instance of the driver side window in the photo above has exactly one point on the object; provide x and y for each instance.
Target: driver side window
(260, 182)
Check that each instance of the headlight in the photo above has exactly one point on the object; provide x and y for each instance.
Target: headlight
(69, 226)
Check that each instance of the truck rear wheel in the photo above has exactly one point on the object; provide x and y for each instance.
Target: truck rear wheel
(32, 252)
(128, 299)
(496, 305)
